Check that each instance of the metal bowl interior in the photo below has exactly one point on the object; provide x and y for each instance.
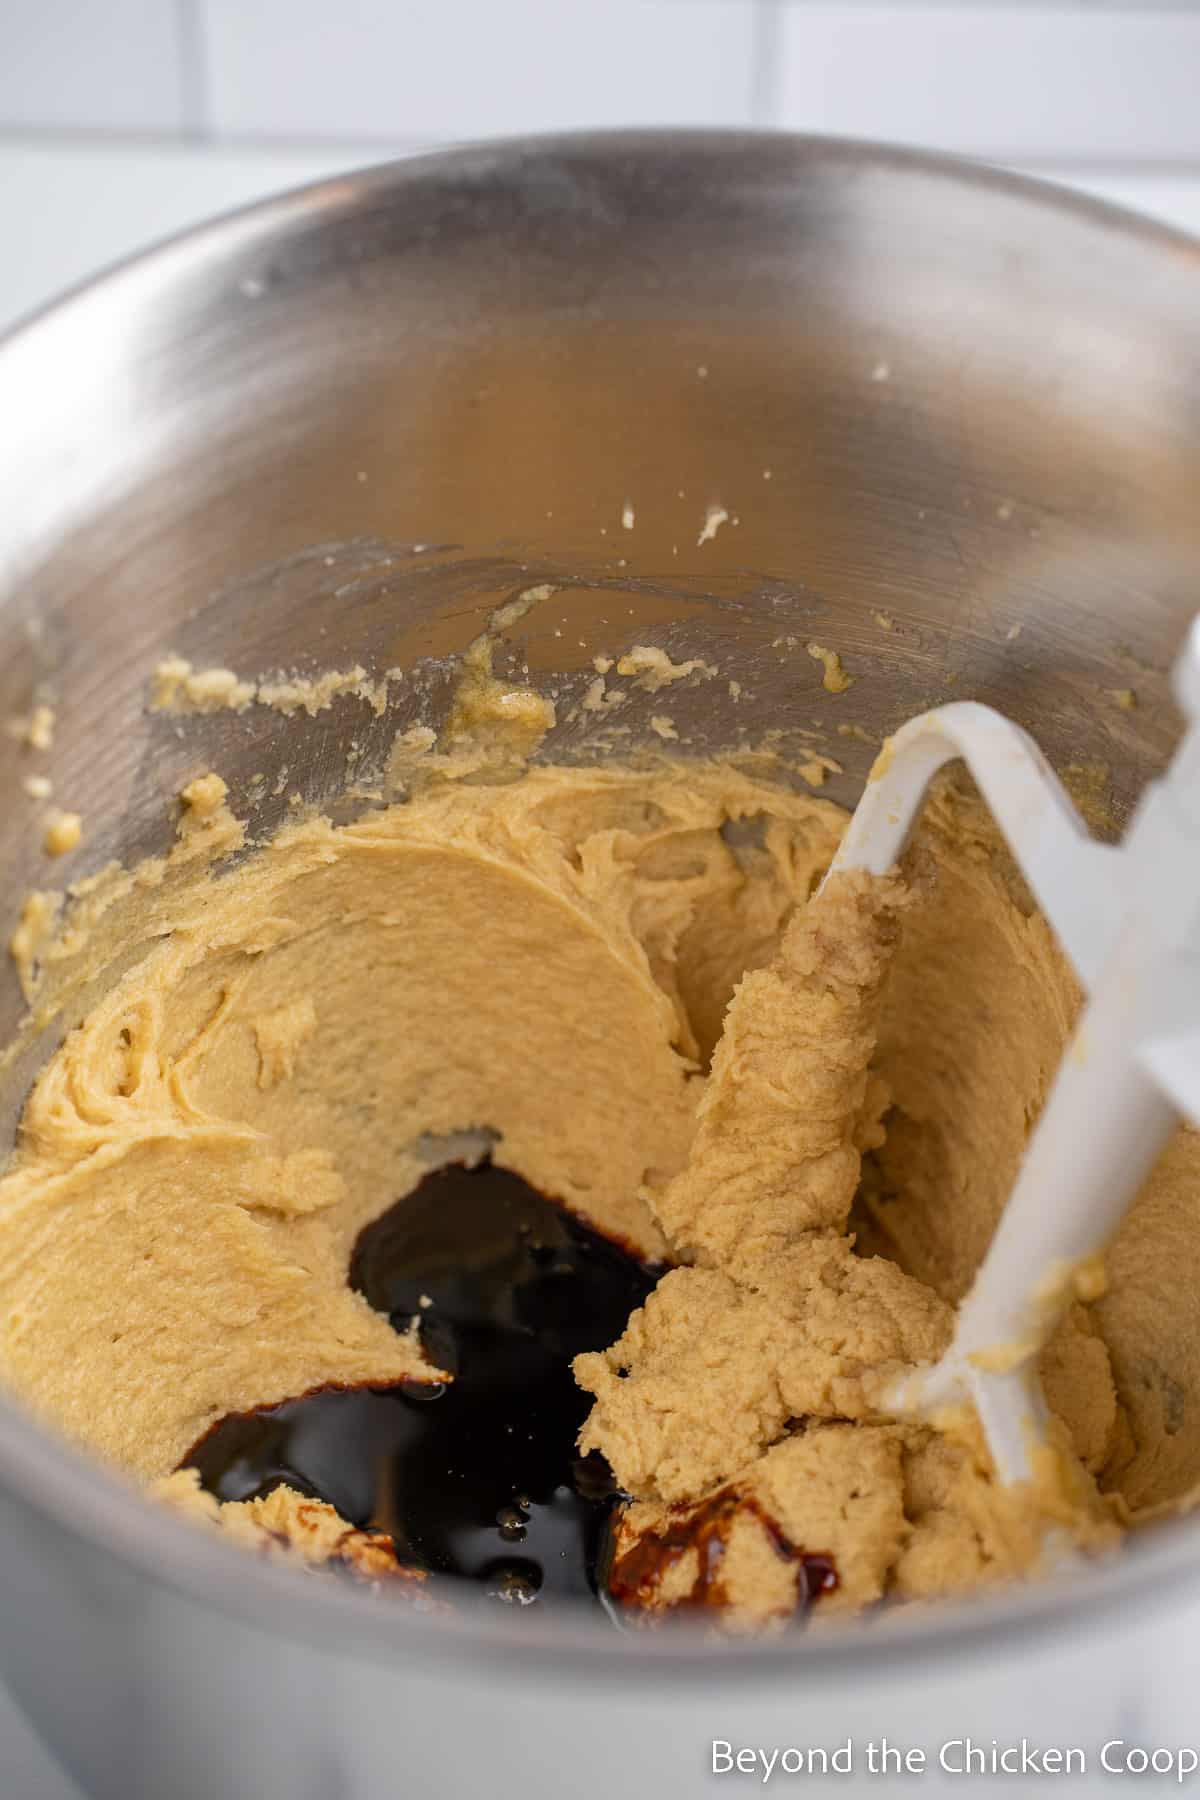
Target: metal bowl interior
(954, 418)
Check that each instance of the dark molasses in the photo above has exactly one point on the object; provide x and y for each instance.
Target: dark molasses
(477, 1477)
(636, 1577)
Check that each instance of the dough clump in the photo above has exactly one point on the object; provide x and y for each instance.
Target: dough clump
(288, 1525)
(755, 1377)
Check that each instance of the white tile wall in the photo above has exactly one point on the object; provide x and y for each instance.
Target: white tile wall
(995, 80)
(1022, 79)
(431, 69)
(114, 64)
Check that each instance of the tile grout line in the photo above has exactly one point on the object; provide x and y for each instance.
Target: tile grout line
(194, 84)
(764, 69)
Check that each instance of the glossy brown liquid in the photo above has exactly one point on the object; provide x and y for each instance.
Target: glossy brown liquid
(636, 1578)
(479, 1477)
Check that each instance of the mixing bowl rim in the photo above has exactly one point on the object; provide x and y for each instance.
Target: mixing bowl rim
(275, 209)
(100, 1509)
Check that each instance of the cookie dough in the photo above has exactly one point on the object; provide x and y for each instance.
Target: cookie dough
(289, 1526)
(269, 1048)
(754, 1378)
(296, 1040)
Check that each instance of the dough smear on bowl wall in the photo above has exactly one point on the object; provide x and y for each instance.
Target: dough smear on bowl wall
(541, 1100)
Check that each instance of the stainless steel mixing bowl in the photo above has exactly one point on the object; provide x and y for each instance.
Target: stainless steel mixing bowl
(955, 420)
